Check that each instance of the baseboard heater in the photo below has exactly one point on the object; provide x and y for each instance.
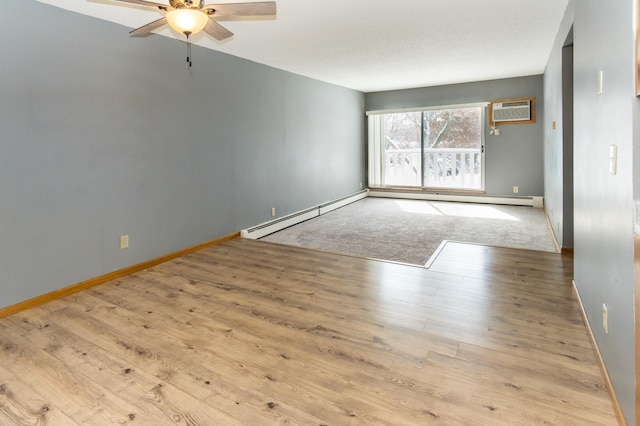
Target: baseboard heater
(270, 227)
(460, 198)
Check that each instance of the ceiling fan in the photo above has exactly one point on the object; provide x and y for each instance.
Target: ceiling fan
(192, 16)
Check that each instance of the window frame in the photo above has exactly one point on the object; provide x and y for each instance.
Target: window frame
(376, 168)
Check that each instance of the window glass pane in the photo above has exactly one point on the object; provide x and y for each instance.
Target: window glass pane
(402, 148)
(453, 148)
(453, 128)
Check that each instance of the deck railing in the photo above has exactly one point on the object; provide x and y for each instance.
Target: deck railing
(444, 168)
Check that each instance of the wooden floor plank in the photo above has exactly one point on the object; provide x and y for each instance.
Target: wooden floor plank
(141, 374)
(81, 400)
(21, 404)
(248, 332)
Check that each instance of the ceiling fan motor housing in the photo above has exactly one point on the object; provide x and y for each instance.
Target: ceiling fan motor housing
(192, 16)
(181, 4)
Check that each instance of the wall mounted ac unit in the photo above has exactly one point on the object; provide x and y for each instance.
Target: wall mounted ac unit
(513, 111)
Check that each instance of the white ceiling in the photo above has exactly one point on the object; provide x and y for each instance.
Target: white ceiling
(376, 45)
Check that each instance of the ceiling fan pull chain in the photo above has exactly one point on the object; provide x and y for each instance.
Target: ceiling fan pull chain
(188, 48)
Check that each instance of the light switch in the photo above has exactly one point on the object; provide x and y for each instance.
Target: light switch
(613, 159)
(600, 82)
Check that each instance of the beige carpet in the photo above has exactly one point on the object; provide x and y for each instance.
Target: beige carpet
(409, 231)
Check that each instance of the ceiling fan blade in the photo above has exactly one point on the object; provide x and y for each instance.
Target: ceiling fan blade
(146, 29)
(145, 3)
(216, 30)
(238, 10)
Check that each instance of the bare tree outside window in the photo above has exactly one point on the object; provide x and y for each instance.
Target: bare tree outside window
(453, 128)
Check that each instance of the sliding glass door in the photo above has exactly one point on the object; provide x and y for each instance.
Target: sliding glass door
(431, 148)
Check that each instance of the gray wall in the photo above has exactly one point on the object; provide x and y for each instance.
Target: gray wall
(104, 135)
(558, 188)
(603, 203)
(512, 159)
(567, 145)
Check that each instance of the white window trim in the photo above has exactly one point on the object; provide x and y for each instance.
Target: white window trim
(375, 149)
(428, 108)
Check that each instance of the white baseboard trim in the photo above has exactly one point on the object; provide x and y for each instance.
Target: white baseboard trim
(272, 226)
(461, 198)
(617, 408)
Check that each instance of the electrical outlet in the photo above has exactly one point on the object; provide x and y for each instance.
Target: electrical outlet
(273, 211)
(515, 189)
(124, 241)
(605, 318)
(361, 185)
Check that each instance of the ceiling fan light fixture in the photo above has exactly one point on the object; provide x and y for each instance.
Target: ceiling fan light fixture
(186, 20)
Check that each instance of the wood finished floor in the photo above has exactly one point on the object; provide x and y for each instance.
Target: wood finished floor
(253, 333)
